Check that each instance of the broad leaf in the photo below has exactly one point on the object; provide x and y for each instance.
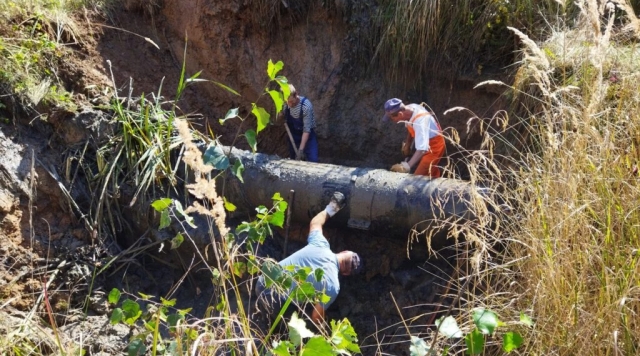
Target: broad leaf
(284, 86)
(526, 320)
(485, 320)
(184, 312)
(298, 330)
(274, 68)
(172, 349)
(262, 117)
(116, 316)
(229, 205)
(317, 346)
(220, 306)
(304, 292)
(244, 227)
(165, 220)
(319, 272)
(238, 169)
(177, 241)
(172, 321)
(277, 218)
(344, 337)
(449, 327)
(251, 139)
(278, 100)
(168, 302)
(272, 272)
(230, 115)
(418, 347)
(475, 342)
(161, 204)
(136, 348)
(239, 269)
(146, 296)
(131, 311)
(214, 156)
(281, 348)
(324, 299)
(114, 296)
(511, 341)
(182, 213)
(276, 196)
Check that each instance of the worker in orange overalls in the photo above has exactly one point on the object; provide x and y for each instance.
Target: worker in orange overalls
(422, 128)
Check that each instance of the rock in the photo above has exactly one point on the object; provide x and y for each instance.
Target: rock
(7, 201)
(97, 333)
(74, 128)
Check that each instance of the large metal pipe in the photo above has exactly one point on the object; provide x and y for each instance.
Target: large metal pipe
(383, 202)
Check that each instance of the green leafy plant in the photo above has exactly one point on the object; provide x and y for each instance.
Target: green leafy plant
(261, 114)
(158, 316)
(486, 324)
(341, 341)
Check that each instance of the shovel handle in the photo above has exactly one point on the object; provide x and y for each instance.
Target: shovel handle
(293, 143)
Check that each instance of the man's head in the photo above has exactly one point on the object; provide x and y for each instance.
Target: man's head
(293, 98)
(349, 262)
(393, 110)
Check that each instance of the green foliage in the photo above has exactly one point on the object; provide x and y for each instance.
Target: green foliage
(418, 347)
(475, 342)
(30, 53)
(486, 322)
(258, 230)
(449, 327)
(168, 209)
(214, 156)
(511, 341)
(263, 118)
(342, 341)
(158, 316)
(114, 296)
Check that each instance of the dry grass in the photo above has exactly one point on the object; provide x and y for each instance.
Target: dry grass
(572, 256)
(421, 37)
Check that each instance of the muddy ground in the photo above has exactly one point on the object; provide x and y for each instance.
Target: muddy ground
(45, 237)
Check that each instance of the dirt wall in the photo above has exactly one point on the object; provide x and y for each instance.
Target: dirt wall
(227, 43)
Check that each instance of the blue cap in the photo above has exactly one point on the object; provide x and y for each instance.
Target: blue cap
(390, 107)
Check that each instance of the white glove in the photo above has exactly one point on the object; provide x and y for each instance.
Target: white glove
(336, 203)
(402, 167)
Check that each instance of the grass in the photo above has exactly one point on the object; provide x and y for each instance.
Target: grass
(35, 35)
(417, 38)
(565, 253)
(571, 259)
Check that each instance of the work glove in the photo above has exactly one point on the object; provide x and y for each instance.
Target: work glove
(406, 148)
(338, 201)
(402, 167)
(301, 156)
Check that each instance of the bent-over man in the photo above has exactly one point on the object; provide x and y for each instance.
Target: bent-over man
(424, 129)
(316, 254)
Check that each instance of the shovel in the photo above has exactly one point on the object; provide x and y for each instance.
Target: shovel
(293, 143)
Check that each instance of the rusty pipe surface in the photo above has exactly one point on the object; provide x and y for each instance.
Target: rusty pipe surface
(380, 201)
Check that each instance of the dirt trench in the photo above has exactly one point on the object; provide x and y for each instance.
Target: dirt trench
(323, 50)
(328, 56)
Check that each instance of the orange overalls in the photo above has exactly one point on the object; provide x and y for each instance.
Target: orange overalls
(428, 165)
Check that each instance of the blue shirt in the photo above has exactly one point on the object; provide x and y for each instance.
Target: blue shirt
(318, 254)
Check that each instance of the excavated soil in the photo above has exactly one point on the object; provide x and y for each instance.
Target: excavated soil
(325, 56)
